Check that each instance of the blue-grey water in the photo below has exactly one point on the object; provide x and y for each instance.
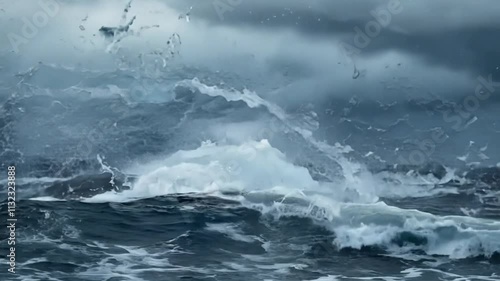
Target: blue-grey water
(241, 140)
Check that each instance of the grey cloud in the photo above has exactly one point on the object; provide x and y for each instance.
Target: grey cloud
(456, 34)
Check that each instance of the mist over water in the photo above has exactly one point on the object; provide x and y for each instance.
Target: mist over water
(252, 140)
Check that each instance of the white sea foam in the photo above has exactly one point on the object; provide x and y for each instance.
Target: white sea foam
(46, 198)
(232, 231)
(260, 176)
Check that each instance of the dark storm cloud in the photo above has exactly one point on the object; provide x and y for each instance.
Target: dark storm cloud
(456, 34)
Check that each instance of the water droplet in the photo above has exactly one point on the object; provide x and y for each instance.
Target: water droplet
(356, 73)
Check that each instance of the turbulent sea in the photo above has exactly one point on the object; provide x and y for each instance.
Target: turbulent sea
(249, 163)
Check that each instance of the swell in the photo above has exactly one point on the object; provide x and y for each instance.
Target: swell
(261, 174)
(203, 217)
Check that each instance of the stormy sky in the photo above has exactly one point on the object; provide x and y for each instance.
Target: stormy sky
(455, 33)
(411, 46)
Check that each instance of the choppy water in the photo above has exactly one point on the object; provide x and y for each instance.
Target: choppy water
(139, 163)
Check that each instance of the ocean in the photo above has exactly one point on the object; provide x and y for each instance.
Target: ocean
(239, 140)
